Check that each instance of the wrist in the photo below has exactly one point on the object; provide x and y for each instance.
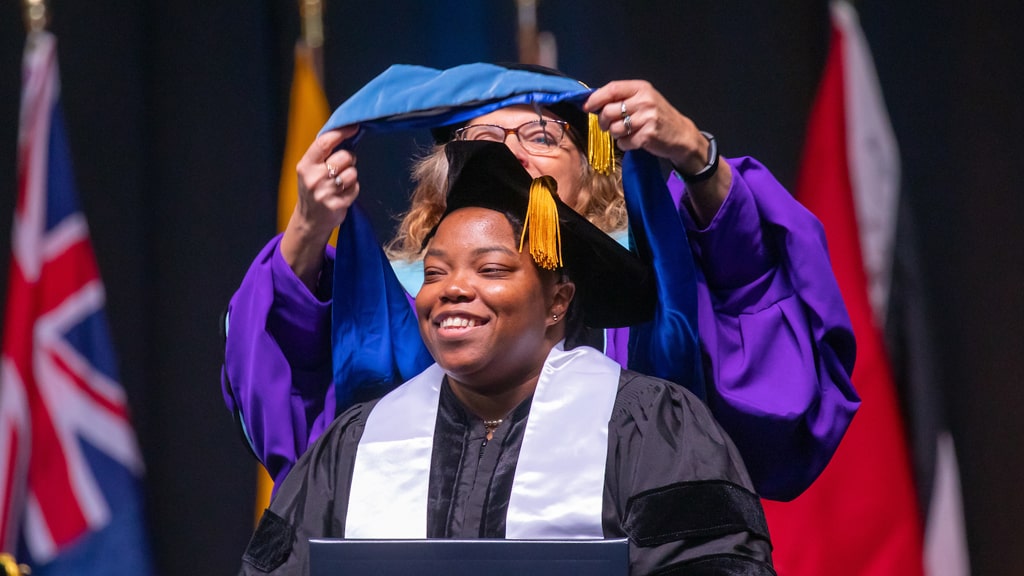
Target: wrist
(709, 168)
(310, 233)
(303, 250)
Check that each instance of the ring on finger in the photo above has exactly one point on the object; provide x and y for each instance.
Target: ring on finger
(627, 121)
(337, 181)
(622, 108)
(332, 170)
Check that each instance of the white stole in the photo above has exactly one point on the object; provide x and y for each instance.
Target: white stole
(558, 488)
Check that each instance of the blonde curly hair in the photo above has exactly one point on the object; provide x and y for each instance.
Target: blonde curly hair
(600, 200)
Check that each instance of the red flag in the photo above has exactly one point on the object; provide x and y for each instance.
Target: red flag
(860, 517)
(70, 463)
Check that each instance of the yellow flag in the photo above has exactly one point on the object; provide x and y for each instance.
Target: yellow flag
(307, 113)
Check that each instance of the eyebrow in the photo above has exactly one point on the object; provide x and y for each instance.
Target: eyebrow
(437, 253)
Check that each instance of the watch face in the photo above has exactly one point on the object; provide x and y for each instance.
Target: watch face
(709, 169)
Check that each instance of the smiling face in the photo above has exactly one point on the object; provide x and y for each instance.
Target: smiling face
(485, 310)
(565, 167)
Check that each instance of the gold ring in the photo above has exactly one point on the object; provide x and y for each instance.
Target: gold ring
(622, 108)
(332, 170)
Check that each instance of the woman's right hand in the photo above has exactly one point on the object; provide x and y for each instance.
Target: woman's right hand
(328, 184)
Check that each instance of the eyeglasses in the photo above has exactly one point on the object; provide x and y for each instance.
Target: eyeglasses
(537, 137)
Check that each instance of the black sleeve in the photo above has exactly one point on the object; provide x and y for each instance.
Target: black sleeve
(311, 502)
(677, 488)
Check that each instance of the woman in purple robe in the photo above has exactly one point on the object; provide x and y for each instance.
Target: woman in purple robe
(776, 344)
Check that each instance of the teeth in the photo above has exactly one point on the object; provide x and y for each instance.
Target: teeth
(453, 322)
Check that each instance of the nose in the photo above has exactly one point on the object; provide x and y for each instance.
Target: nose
(456, 289)
(518, 151)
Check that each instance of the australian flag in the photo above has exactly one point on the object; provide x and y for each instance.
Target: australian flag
(70, 468)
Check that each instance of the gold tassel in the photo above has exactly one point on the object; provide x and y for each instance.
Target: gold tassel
(542, 224)
(600, 148)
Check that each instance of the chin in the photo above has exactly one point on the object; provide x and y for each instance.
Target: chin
(457, 361)
(462, 369)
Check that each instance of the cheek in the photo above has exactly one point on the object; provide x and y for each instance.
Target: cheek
(568, 190)
(568, 175)
(421, 304)
(523, 307)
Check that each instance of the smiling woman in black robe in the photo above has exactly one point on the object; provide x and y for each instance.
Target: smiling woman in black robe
(512, 434)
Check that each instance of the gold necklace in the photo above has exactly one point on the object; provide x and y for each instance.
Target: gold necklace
(491, 425)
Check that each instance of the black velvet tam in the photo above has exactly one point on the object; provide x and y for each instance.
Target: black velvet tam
(614, 287)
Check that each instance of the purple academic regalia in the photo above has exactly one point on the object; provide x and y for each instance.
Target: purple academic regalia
(777, 341)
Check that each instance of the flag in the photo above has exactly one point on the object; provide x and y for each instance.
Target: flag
(861, 516)
(308, 111)
(70, 468)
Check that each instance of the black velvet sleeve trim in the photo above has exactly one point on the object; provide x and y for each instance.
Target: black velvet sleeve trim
(718, 565)
(271, 543)
(701, 509)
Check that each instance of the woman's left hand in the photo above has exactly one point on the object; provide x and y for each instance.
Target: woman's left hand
(638, 116)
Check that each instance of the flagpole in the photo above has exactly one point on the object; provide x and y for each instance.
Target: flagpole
(35, 15)
(312, 21)
(535, 47)
(529, 46)
(35, 22)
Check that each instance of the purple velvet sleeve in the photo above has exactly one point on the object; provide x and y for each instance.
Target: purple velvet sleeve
(778, 340)
(616, 345)
(277, 370)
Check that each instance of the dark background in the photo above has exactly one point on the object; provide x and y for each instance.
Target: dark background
(176, 117)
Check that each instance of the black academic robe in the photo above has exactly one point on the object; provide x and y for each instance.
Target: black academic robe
(674, 485)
